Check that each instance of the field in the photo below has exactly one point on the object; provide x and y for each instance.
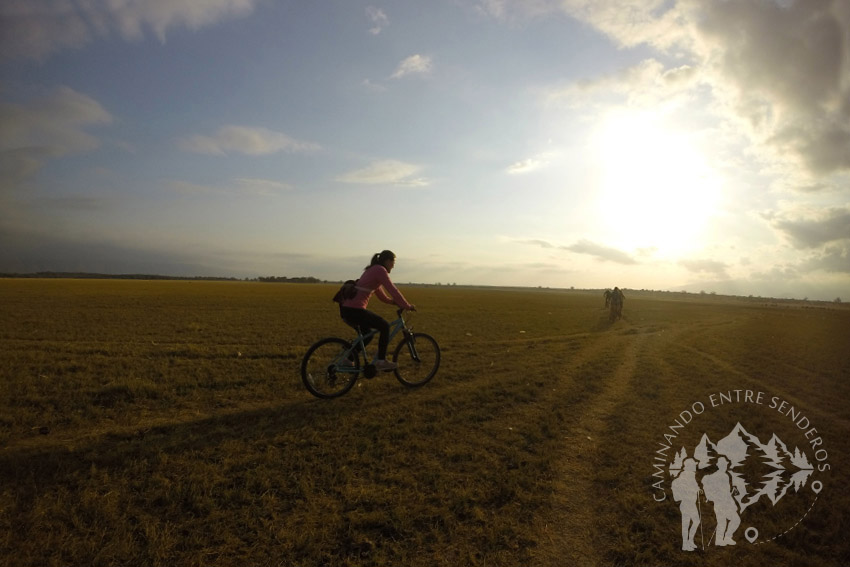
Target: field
(163, 423)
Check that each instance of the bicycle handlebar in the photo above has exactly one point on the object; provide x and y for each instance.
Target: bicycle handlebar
(401, 310)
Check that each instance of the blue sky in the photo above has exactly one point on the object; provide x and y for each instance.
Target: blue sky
(700, 145)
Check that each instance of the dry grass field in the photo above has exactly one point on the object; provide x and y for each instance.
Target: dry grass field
(163, 423)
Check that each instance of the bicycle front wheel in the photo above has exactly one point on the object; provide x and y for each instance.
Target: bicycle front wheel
(330, 369)
(418, 358)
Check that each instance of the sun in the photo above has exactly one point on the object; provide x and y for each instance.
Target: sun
(655, 189)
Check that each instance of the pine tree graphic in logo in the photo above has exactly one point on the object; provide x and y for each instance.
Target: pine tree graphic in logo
(730, 476)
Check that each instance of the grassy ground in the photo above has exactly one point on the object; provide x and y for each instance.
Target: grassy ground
(164, 423)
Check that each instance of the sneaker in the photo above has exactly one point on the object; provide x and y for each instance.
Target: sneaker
(385, 365)
(346, 363)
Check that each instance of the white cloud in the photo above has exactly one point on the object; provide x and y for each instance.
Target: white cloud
(515, 10)
(529, 164)
(386, 172)
(583, 246)
(378, 18)
(524, 166)
(413, 65)
(782, 68)
(262, 187)
(245, 187)
(600, 251)
(645, 84)
(244, 140)
(815, 230)
(834, 258)
(189, 188)
(36, 29)
(792, 62)
(536, 242)
(53, 126)
(633, 22)
(714, 267)
(372, 86)
(494, 8)
(55, 123)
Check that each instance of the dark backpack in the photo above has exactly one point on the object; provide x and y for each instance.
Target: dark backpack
(347, 291)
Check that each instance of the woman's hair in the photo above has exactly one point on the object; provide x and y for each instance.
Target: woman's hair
(380, 258)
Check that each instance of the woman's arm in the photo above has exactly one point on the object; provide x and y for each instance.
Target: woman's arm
(382, 295)
(388, 286)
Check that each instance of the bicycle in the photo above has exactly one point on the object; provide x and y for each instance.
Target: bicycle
(616, 311)
(332, 365)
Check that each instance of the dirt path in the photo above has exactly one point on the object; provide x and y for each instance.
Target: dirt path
(568, 533)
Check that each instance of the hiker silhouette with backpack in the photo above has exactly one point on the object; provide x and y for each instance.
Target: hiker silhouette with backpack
(718, 489)
(686, 491)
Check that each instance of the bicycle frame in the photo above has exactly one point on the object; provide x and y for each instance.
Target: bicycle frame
(359, 345)
(332, 365)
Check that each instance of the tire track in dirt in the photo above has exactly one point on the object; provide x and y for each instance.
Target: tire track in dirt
(769, 387)
(567, 533)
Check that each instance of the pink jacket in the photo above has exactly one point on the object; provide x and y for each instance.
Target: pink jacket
(376, 280)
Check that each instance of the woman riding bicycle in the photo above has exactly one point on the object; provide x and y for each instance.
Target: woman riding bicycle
(375, 279)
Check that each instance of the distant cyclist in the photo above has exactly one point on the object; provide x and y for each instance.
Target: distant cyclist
(375, 280)
(617, 299)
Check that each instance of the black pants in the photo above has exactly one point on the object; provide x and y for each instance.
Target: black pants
(365, 321)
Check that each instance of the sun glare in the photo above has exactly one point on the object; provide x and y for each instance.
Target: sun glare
(656, 190)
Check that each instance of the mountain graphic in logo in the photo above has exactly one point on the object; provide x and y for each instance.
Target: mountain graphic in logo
(756, 469)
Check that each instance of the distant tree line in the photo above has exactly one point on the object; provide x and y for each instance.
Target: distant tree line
(282, 279)
(94, 276)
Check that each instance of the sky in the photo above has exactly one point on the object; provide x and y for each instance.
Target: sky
(699, 145)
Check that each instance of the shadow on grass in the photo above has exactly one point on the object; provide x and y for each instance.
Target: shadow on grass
(45, 465)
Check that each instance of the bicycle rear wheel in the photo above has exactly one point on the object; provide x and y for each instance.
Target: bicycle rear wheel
(418, 358)
(326, 370)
